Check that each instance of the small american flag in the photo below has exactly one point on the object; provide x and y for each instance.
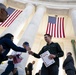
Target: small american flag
(12, 15)
(55, 27)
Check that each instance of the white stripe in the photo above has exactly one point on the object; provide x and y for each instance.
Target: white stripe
(51, 29)
(61, 27)
(14, 18)
(7, 18)
(48, 28)
(8, 22)
(11, 18)
(56, 26)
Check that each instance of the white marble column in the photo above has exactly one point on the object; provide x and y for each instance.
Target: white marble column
(31, 31)
(16, 27)
(72, 14)
(20, 21)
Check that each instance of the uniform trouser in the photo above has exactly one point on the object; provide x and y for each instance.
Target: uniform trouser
(51, 70)
(30, 72)
(70, 72)
(16, 73)
(9, 68)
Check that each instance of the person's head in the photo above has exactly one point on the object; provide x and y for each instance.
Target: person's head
(69, 53)
(47, 37)
(2, 6)
(3, 13)
(33, 62)
(8, 35)
(25, 44)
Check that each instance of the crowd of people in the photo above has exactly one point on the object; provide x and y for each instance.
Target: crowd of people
(55, 53)
(6, 43)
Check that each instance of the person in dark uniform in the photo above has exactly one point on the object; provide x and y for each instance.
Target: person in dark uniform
(1, 56)
(1, 48)
(55, 52)
(7, 43)
(30, 67)
(68, 64)
(11, 66)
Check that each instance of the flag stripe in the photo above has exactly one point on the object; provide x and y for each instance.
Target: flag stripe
(60, 28)
(7, 19)
(11, 18)
(63, 27)
(56, 29)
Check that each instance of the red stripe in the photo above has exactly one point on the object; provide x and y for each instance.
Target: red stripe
(49, 28)
(57, 27)
(8, 19)
(63, 28)
(52, 30)
(11, 18)
(56, 30)
(60, 28)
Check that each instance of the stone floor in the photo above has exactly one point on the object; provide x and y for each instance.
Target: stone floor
(3, 66)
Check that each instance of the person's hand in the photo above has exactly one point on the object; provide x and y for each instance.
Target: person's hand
(28, 48)
(1, 48)
(10, 56)
(30, 52)
(14, 71)
(52, 56)
(27, 72)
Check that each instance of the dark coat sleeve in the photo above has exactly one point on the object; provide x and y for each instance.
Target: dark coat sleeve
(3, 58)
(38, 55)
(60, 53)
(10, 44)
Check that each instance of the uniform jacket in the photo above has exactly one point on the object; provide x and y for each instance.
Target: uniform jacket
(53, 48)
(68, 63)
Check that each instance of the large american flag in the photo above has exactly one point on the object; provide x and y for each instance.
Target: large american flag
(12, 15)
(55, 27)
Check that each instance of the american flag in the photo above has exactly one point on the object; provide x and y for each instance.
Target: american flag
(12, 15)
(55, 27)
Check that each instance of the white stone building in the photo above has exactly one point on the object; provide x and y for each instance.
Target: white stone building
(31, 25)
